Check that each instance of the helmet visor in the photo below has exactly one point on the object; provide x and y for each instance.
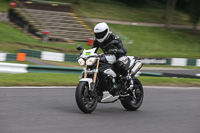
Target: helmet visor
(101, 34)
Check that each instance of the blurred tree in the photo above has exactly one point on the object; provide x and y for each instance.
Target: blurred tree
(166, 9)
(77, 2)
(134, 2)
(194, 13)
(170, 6)
(183, 5)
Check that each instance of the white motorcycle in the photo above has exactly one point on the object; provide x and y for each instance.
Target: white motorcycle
(102, 83)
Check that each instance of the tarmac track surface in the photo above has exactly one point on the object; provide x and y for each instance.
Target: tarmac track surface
(54, 110)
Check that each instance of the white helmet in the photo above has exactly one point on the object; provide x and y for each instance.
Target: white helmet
(101, 31)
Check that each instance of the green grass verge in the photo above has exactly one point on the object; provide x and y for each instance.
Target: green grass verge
(158, 42)
(165, 81)
(38, 79)
(49, 79)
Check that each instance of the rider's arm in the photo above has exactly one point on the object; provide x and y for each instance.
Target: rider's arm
(121, 50)
(95, 45)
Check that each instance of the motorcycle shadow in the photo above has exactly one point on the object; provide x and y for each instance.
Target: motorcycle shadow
(102, 108)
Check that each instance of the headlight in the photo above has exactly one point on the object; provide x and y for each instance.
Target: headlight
(91, 61)
(81, 62)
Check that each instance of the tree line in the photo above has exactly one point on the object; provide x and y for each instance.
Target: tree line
(192, 7)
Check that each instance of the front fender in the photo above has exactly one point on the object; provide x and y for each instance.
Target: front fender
(90, 82)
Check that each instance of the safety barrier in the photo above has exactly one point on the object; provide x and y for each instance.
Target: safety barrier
(53, 69)
(183, 62)
(31, 53)
(24, 68)
(13, 68)
(173, 75)
(172, 61)
(12, 57)
(3, 56)
(51, 56)
(149, 74)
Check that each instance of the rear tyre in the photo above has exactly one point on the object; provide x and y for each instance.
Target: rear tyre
(134, 101)
(86, 101)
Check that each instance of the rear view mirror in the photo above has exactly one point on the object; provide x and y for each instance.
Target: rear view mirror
(79, 47)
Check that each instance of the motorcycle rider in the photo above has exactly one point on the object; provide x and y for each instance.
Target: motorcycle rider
(111, 44)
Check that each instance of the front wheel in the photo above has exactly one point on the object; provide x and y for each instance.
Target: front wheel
(85, 99)
(135, 99)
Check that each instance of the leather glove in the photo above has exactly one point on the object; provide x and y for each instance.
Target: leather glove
(112, 51)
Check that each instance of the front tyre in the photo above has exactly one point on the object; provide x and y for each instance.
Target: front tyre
(86, 100)
(134, 101)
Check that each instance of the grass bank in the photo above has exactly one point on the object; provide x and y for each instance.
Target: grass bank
(49, 79)
(139, 41)
(4, 5)
(10, 39)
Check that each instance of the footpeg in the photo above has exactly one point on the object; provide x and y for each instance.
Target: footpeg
(130, 89)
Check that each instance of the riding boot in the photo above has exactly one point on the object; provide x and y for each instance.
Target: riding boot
(113, 90)
(100, 95)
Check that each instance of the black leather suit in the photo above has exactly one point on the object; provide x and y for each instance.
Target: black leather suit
(117, 44)
(113, 45)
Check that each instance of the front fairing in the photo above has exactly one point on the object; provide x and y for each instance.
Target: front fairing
(88, 53)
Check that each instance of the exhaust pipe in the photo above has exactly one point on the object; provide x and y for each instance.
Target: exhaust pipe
(136, 68)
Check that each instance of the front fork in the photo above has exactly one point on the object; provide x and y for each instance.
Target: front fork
(91, 82)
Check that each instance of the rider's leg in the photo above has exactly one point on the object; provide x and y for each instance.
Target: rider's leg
(122, 66)
(100, 86)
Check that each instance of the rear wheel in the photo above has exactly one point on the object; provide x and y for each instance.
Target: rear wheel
(135, 99)
(85, 100)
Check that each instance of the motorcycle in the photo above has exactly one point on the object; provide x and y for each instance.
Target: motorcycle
(102, 83)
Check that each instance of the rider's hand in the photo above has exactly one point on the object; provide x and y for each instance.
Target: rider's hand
(112, 51)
